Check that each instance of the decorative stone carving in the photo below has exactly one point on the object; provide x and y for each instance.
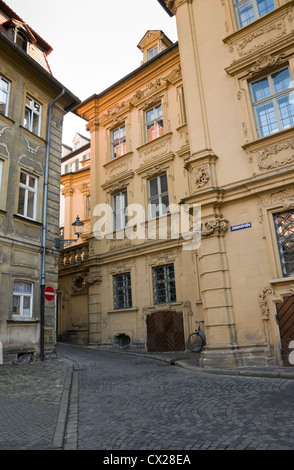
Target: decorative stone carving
(93, 279)
(202, 176)
(114, 113)
(184, 307)
(274, 156)
(201, 171)
(283, 199)
(266, 61)
(263, 302)
(173, 5)
(214, 227)
(79, 283)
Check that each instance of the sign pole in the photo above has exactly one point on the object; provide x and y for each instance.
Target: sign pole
(42, 322)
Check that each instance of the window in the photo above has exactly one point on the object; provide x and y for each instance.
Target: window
(119, 210)
(152, 52)
(158, 196)
(154, 123)
(122, 292)
(76, 144)
(182, 105)
(118, 142)
(274, 110)
(164, 287)
(32, 118)
(284, 223)
(21, 40)
(22, 298)
(88, 207)
(250, 10)
(27, 195)
(4, 95)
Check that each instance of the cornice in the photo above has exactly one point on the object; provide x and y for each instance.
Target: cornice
(173, 5)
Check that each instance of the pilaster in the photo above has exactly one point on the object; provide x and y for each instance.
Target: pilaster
(94, 297)
(216, 295)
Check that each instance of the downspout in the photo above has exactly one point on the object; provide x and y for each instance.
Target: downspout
(44, 223)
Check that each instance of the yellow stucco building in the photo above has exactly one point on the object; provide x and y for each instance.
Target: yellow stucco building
(204, 124)
(237, 61)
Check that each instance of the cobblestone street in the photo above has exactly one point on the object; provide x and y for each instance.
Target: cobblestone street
(132, 402)
(126, 402)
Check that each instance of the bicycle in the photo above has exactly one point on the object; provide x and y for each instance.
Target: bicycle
(197, 339)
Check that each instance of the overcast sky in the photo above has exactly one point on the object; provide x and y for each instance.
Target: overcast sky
(94, 41)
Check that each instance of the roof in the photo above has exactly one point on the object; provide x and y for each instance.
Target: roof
(163, 4)
(69, 99)
(124, 79)
(153, 35)
(12, 15)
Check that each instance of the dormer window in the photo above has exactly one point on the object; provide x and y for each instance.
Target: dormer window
(152, 52)
(21, 40)
(153, 43)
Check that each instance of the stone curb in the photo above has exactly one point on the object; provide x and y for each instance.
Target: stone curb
(59, 433)
(249, 372)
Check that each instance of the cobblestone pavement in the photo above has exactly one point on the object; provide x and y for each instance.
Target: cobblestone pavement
(88, 399)
(30, 398)
(130, 402)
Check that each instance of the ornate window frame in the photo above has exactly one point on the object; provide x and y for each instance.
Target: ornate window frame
(269, 205)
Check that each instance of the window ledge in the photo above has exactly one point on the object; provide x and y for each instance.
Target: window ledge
(6, 119)
(155, 141)
(21, 319)
(32, 134)
(111, 163)
(282, 280)
(26, 220)
(271, 139)
(123, 310)
(256, 24)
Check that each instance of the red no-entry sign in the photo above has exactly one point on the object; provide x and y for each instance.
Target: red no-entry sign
(49, 293)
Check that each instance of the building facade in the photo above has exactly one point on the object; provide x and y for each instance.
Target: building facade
(134, 282)
(237, 59)
(75, 197)
(32, 106)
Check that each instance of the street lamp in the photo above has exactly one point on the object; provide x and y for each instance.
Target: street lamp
(78, 226)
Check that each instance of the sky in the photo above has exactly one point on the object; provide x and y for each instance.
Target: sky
(94, 42)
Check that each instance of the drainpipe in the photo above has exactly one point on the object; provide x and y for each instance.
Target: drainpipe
(44, 224)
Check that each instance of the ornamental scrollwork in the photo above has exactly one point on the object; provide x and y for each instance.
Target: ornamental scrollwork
(263, 302)
(214, 227)
(202, 177)
(265, 62)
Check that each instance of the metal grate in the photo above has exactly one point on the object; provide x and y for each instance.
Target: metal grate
(284, 223)
(122, 292)
(164, 287)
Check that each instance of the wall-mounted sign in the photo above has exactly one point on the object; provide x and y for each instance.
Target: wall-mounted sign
(234, 228)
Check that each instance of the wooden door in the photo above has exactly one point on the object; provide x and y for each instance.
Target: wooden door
(285, 317)
(165, 332)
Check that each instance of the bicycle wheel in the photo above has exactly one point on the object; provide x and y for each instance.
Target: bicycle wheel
(195, 342)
